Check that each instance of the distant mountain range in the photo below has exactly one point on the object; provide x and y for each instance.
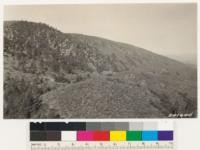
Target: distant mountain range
(50, 74)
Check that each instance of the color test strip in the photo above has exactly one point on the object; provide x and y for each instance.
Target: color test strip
(136, 126)
(164, 126)
(101, 136)
(93, 136)
(100, 131)
(84, 136)
(38, 136)
(134, 135)
(150, 126)
(104, 126)
(117, 135)
(45, 136)
(93, 126)
(58, 126)
(165, 135)
(107, 126)
(149, 135)
(68, 135)
(53, 136)
(121, 126)
(113, 126)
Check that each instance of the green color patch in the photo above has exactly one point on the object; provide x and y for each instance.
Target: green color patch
(134, 135)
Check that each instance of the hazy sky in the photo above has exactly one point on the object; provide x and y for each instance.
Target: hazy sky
(167, 29)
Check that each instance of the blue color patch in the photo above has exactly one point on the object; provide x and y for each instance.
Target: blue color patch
(149, 135)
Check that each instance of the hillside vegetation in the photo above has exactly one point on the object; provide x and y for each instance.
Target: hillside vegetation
(50, 74)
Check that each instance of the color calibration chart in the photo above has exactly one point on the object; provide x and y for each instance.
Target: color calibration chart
(101, 136)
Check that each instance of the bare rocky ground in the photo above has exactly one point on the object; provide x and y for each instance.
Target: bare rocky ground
(50, 74)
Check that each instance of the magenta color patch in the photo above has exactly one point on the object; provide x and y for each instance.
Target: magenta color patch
(85, 136)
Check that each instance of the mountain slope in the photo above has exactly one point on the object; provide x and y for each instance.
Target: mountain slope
(50, 74)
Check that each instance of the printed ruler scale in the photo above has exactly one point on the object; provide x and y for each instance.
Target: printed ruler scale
(102, 146)
(101, 136)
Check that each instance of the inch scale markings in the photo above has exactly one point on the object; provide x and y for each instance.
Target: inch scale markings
(102, 145)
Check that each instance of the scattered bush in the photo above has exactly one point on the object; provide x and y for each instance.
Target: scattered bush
(21, 96)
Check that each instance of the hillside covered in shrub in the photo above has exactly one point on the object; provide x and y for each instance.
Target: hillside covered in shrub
(50, 74)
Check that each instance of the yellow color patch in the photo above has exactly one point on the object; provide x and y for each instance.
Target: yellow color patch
(117, 135)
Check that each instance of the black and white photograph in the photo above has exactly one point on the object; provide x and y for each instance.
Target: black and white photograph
(100, 61)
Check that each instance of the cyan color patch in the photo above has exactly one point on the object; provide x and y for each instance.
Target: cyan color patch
(149, 135)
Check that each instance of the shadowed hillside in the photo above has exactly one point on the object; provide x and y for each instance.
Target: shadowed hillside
(50, 74)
